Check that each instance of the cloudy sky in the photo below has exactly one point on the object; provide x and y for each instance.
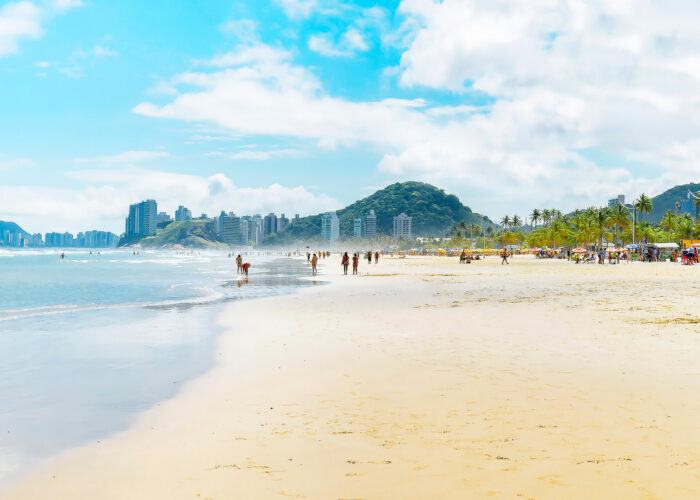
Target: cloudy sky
(307, 105)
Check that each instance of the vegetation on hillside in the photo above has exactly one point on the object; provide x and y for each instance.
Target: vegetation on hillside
(12, 227)
(667, 200)
(196, 233)
(434, 212)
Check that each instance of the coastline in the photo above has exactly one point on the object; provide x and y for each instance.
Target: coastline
(421, 379)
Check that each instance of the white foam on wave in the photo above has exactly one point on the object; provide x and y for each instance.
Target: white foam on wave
(211, 296)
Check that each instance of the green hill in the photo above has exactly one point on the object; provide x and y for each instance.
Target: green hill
(12, 227)
(667, 201)
(434, 212)
(195, 233)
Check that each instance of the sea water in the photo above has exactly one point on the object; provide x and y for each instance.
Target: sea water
(90, 340)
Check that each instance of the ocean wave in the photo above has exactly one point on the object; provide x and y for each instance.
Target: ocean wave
(211, 297)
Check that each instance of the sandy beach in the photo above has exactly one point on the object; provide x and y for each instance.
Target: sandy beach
(423, 378)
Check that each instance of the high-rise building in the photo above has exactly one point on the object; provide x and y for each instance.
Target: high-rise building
(163, 217)
(183, 213)
(403, 227)
(53, 240)
(258, 228)
(687, 206)
(142, 219)
(230, 229)
(359, 228)
(371, 225)
(68, 240)
(620, 200)
(282, 223)
(269, 224)
(330, 227)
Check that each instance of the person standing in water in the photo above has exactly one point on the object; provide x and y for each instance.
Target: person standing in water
(345, 263)
(376, 257)
(308, 257)
(355, 262)
(314, 261)
(239, 264)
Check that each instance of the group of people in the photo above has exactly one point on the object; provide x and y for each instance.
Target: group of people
(242, 267)
(467, 258)
(345, 261)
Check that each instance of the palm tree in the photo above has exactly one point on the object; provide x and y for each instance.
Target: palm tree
(669, 222)
(600, 222)
(557, 231)
(505, 221)
(535, 217)
(516, 222)
(642, 205)
(546, 216)
(620, 218)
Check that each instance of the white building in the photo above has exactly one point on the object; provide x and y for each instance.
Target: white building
(371, 225)
(330, 227)
(403, 227)
(182, 213)
(359, 229)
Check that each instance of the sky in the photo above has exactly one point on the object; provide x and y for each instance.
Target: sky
(302, 106)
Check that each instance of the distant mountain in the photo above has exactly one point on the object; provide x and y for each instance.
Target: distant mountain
(667, 201)
(195, 233)
(434, 212)
(12, 227)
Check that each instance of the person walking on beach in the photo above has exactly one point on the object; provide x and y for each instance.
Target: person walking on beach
(376, 257)
(314, 261)
(504, 257)
(308, 257)
(345, 263)
(369, 257)
(355, 262)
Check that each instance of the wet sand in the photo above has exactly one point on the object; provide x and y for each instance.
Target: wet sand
(423, 378)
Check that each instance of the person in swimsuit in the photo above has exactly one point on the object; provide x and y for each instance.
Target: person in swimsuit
(504, 257)
(376, 257)
(355, 262)
(239, 264)
(345, 263)
(244, 268)
(314, 261)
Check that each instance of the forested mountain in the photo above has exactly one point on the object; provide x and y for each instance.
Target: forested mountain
(434, 212)
(667, 200)
(12, 227)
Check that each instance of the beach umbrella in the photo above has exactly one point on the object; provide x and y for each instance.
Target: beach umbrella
(578, 250)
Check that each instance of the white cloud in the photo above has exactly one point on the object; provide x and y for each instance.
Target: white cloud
(18, 20)
(125, 158)
(104, 201)
(7, 164)
(67, 4)
(351, 42)
(101, 51)
(264, 155)
(298, 8)
(566, 86)
(245, 30)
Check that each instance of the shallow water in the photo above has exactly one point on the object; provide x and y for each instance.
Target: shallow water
(88, 342)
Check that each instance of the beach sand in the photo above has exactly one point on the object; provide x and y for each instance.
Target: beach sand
(423, 378)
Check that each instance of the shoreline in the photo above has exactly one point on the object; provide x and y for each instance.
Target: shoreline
(427, 378)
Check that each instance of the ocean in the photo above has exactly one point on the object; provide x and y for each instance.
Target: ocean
(88, 342)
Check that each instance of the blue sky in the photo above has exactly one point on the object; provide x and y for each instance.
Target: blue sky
(307, 105)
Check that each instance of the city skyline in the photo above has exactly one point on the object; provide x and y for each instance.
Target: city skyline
(165, 100)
